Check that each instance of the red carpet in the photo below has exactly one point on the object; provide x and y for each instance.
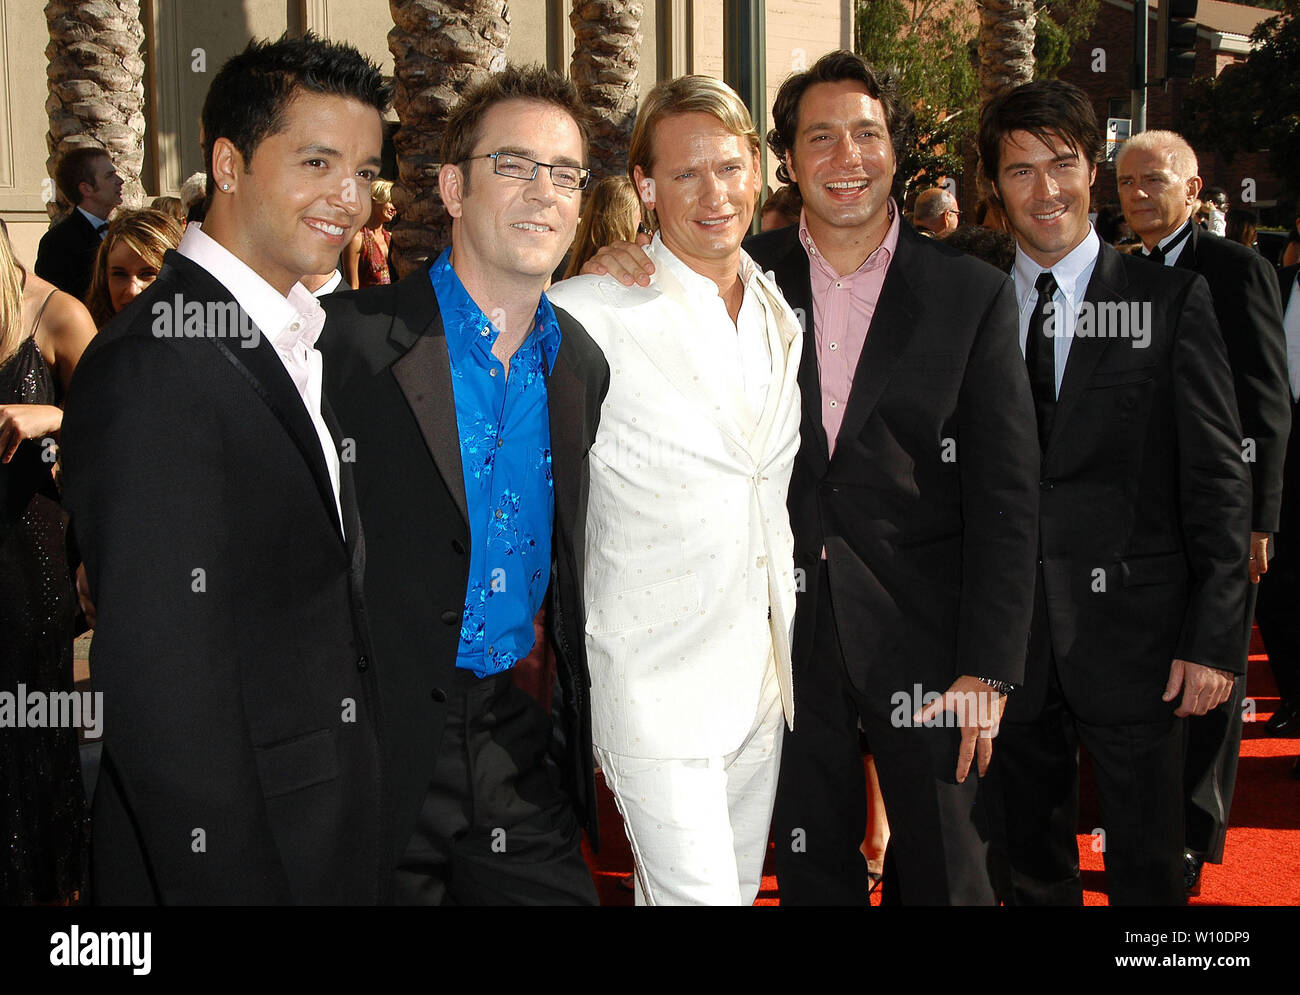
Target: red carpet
(1261, 860)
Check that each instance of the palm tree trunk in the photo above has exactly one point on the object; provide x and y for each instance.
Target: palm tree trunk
(439, 47)
(1006, 46)
(606, 53)
(96, 85)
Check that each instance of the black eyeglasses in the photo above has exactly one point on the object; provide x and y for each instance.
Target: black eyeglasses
(520, 167)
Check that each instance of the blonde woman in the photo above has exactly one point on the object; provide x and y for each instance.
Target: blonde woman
(365, 260)
(43, 332)
(128, 260)
(610, 215)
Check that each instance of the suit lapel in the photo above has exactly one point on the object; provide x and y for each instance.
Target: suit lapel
(566, 393)
(423, 375)
(1107, 284)
(887, 339)
(262, 368)
(1187, 258)
(792, 276)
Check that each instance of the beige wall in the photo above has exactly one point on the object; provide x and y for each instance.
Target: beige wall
(187, 41)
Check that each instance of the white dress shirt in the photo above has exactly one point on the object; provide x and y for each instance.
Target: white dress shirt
(1072, 274)
(291, 324)
(1291, 325)
(747, 355)
(95, 222)
(1171, 255)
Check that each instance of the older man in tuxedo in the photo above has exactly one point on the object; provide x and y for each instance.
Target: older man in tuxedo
(1156, 172)
(219, 527)
(1143, 528)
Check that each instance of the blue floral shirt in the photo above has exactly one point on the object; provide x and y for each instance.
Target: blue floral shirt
(505, 453)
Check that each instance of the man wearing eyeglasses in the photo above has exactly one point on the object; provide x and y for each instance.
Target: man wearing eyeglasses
(936, 213)
(470, 405)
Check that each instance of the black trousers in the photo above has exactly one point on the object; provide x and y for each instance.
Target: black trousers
(938, 833)
(1210, 773)
(496, 828)
(1034, 784)
(1279, 620)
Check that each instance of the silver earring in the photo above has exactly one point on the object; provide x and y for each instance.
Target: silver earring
(225, 186)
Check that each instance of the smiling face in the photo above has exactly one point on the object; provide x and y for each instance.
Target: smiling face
(705, 187)
(508, 228)
(128, 275)
(1155, 199)
(842, 158)
(1044, 193)
(305, 192)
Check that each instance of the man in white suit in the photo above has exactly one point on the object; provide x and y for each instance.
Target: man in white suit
(689, 560)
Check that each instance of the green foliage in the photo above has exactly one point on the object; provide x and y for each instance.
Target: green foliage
(1254, 105)
(1061, 25)
(927, 46)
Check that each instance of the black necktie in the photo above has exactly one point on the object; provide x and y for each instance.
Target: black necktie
(1040, 356)
(100, 229)
(1157, 255)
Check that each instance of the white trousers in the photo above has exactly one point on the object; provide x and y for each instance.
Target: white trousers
(699, 827)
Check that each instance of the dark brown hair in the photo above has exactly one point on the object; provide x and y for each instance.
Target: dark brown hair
(148, 233)
(1043, 108)
(834, 67)
(531, 82)
(75, 168)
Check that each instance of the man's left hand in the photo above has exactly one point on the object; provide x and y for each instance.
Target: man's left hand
(978, 710)
(1204, 688)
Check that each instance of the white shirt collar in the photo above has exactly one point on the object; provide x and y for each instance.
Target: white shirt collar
(1076, 264)
(94, 221)
(269, 311)
(698, 282)
(329, 286)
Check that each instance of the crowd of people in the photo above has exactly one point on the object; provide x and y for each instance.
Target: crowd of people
(381, 571)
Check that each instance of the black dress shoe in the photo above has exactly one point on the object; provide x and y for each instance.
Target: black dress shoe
(1285, 721)
(1192, 863)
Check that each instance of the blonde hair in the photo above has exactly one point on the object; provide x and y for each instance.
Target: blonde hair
(11, 297)
(149, 234)
(686, 95)
(1182, 156)
(610, 215)
(381, 191)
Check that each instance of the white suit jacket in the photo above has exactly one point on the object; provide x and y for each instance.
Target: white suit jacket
(689, 555)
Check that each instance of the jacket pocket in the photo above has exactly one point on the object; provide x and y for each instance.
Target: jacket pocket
(1165, 568)
(643, 606)
(297, 763)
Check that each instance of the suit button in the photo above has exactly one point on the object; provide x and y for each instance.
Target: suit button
(1046, 485)
(451, 617)
(362, 664)
(458, 546)
(438, 695)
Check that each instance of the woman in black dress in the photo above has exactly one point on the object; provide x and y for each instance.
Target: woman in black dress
(43, 822)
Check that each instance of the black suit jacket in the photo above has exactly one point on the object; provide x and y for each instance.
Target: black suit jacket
(1246, 305)
(66, 254)
(1289, 524)
(1145, 505)
(387, 375)
(241, 756)
(928, 508)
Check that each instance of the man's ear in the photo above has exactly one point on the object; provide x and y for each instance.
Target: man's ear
(789, 166)
(227, 166)
(1194, 186)
(451, 186)
(645, 187)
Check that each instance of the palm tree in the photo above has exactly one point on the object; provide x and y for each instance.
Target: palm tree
(1006, 45)
(96, 85)
(439, 48)
(606, 52)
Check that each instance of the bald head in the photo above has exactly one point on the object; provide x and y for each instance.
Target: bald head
(1158, 186)
(935, 211)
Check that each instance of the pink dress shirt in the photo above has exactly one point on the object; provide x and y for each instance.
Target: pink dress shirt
(842, 311)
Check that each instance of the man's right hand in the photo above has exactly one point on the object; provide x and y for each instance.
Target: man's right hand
(625, 261)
